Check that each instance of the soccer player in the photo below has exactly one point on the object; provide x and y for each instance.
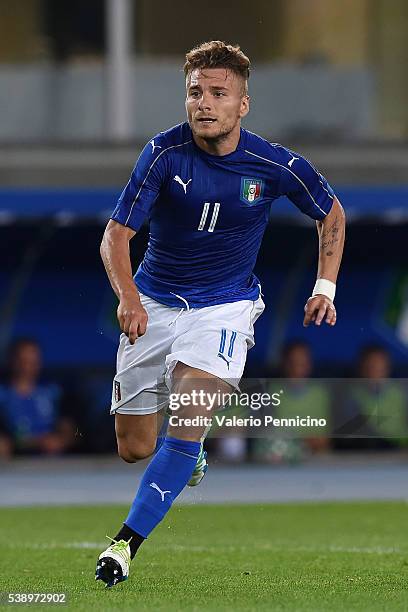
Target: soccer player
(206, 186)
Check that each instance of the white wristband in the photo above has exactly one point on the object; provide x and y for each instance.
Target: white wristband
(324, 287)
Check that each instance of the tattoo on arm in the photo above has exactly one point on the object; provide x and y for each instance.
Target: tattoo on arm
(330, 238)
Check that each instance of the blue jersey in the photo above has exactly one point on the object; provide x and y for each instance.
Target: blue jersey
(208, 213)
(33, 415)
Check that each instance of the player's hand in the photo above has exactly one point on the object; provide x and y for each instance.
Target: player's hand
(132, 317)
(319, 308)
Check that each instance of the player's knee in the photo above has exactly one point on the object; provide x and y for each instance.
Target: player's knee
(135, 451)
(189, 435)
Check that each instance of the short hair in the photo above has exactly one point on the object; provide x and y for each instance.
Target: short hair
(372, 349)
(293, 345)
(217, 54)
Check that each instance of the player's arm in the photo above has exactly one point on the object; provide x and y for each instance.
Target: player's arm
(312, 194)
(115, 253)
(133, 207)
(331, 231)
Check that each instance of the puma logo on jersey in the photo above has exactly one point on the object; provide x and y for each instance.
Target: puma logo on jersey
(184, 185)
(154, 146)
(157, 488)
(291, 161)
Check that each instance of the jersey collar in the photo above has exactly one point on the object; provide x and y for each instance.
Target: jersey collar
(241, 146)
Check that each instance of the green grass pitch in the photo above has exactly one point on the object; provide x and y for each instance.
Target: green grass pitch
(311, 556)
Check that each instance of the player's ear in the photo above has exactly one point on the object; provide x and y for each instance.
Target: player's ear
(244, 106)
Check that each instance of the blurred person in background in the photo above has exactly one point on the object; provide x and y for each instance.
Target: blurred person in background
(31, 412)
(376, 407)
(302, 397)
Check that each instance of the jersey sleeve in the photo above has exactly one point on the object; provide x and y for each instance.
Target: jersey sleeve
(305, 186)
(142, 190)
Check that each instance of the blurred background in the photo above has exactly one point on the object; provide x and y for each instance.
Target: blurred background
(83, 86)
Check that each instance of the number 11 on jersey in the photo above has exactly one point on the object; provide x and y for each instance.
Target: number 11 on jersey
(204, 216)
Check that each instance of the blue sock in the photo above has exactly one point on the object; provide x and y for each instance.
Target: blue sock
(165, 477)
(161, 436)
(159, 443)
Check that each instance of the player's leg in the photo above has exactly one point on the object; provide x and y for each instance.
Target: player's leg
(166, 475)
(137, 439)
(170, 469)
(136, 435)
(139, 436)
(139, 400)
(139, 397)
(198, 385)
(214, 340)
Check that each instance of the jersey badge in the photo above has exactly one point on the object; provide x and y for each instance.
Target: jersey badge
(251, 190)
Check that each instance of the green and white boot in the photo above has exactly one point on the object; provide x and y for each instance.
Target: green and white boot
(200, 469)
(114, 563)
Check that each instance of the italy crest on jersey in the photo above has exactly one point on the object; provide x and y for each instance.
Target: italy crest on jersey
(251, 190)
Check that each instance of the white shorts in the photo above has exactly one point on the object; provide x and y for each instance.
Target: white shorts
(214, 339)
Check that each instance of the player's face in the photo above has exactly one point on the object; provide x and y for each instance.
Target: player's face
(375, 366)
(27, 361)
(298, 363)
(215, 102)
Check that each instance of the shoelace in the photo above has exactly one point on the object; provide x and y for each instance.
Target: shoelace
(201, 461)
(120, 547)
